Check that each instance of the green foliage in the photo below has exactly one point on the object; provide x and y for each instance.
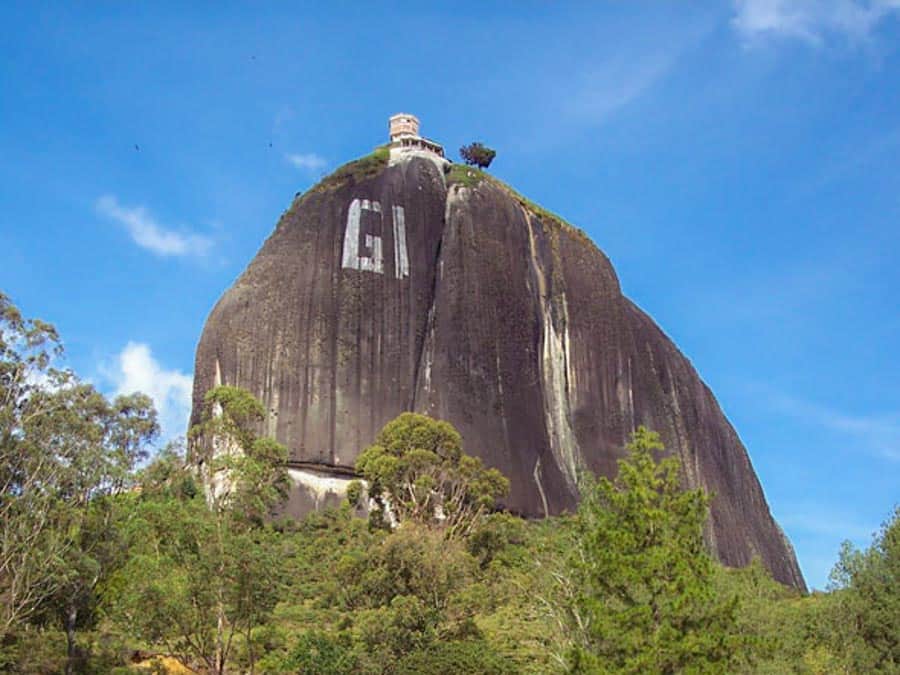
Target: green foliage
(643, 600)
(778, 630)
(204, 564)
(467, 176)
(354, 492)
(98, 560)
(389, 632)
(66, 452)
(187, 570)
(868, 602)
(228, 412)
(321, 654)
(168, 475)
(401, 594)
(417, 466)
(413, 561)
(497, 537)
(357, 171)
(242, 473)
(477, 154)
(473, 657)
(386, 595)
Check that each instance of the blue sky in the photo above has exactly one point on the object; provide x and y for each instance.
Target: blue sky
(739, 163)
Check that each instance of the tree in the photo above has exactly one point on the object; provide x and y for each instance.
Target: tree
(471, 657)
(867, 615)
(476, 154)
(639, 577)
(319, 652)
(403, 593)
(29, 512)
(205, 564)
(416, 470)
(779, 629)
(242, 473)
(111, 437)
(65, 452)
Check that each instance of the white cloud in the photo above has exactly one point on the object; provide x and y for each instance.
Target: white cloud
(135, 369)
(625, 72)
(878, 433)
(616, 84)
(811, 21)
(149, 234)
(307, 162)
(816, 519)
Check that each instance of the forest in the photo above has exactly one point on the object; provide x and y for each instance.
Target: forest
(117, 556)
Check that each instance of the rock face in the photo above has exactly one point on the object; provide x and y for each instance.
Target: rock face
(411, 286)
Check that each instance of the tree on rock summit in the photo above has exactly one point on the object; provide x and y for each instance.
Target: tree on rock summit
(476, 154)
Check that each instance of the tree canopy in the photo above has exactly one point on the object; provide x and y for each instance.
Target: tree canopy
(184, 560)
(867, 586)
(477, 154)
(642, 596)
(204, 564)
(65, 449)
(417, 470)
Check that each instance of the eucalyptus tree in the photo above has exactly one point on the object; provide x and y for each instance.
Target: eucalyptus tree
(204, 564)
(65, 452)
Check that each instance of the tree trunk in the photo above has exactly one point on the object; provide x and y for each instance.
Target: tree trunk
(250, 649)
(71, 648)
(220, 600)
(220, 649)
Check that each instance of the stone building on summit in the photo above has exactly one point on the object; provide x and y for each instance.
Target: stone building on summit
(404, 134)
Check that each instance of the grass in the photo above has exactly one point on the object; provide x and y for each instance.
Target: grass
(357, 170)
(469, 176)
(540, 211)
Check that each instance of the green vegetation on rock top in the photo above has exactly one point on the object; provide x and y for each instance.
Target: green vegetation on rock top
(536, 209)
(470, 177)
(357, 170)
(467, 176)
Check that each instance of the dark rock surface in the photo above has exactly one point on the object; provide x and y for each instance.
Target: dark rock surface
(483, 310)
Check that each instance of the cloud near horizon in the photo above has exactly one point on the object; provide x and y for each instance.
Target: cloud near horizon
(147, 233)
(811, 21)
(135, 369)
(815, 518)
(306, 161)
(879, 434)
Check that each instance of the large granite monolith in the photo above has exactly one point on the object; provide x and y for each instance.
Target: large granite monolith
(417, 285)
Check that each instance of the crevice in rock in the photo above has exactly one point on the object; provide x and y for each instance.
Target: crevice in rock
(429, 322)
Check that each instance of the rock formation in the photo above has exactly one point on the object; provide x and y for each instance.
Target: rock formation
(412, 284)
